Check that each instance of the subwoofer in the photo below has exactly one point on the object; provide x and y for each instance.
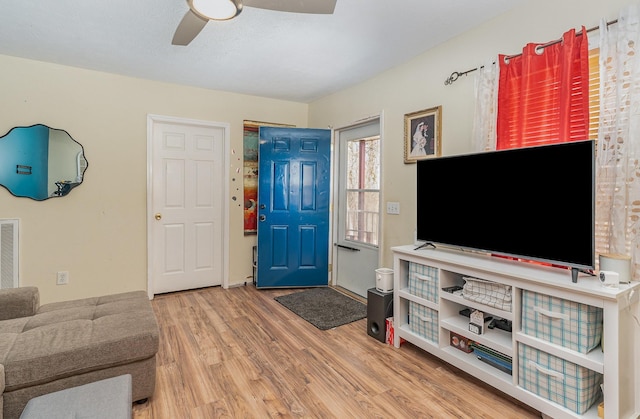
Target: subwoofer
(379, 307)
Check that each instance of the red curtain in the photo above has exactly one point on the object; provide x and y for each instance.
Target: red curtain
(543, 94)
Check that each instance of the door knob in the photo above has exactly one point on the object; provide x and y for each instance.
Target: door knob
(262, 206)
(158, 216)
(262, 218)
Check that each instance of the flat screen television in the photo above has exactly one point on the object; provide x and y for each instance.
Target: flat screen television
(535, 203)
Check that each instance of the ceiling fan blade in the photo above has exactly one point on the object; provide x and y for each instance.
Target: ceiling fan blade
(189, 27)
(324, 7)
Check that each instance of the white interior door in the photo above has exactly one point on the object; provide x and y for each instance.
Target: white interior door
(358, 201)
(186, 214)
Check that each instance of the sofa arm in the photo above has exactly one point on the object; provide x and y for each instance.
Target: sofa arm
(18, 302)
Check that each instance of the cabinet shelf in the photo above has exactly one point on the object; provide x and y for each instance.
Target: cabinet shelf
(405, 294)
(476, 367)
(478, 306)
(593, 360)
(500, 340)
(538, 402)
(404, 332)
(619, 369)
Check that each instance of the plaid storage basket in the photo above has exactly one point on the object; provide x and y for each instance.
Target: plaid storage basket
(423, 321)
(489, 293)
(566, 323)
(563, 382)
(423, 281)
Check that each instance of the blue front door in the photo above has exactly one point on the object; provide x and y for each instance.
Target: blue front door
(293, 207)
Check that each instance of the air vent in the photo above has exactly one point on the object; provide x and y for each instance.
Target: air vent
(8, 254)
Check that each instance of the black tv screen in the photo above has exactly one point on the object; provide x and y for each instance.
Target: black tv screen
(536, 203)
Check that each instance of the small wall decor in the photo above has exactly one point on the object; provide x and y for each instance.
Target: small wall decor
(422, 132)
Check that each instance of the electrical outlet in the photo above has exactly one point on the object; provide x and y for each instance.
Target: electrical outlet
(62, 278)
(393, 208)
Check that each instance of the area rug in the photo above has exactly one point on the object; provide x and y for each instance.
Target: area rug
(325, 308)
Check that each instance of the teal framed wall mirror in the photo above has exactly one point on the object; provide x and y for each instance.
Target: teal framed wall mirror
(40, 162)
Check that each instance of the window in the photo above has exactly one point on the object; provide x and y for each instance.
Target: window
(594, 92)
(602, 226)
(543, 93)
(609, 120)
(363, 190)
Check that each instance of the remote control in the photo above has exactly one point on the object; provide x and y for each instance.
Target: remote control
(500, 324)
(452, 289)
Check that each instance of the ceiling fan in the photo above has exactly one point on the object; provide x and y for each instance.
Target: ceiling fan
(202, 11)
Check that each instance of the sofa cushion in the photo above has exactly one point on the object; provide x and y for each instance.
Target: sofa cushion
(9, 332)
(66, 339)
(88, 309)
(12, 326)
(94, 301)
(18, 302)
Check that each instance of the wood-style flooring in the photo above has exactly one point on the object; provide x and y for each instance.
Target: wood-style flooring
(238, 353)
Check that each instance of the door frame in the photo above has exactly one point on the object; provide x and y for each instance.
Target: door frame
(333, 219)
(151, 121)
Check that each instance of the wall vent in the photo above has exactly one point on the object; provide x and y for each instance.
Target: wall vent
(8, 254)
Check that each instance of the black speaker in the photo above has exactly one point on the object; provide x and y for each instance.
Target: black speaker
(379, 307)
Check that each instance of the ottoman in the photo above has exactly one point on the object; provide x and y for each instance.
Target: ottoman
(104, 399)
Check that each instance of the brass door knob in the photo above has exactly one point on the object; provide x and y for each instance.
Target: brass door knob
(158, 216)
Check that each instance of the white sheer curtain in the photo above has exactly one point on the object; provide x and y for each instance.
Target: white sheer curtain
(618, 154)
(486, 107)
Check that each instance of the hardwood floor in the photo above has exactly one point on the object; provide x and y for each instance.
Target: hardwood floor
(238, 353)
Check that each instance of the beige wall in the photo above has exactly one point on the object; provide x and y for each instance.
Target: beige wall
(98, 232)
(419, 85)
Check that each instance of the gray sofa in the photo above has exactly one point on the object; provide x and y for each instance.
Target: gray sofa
(60, 345)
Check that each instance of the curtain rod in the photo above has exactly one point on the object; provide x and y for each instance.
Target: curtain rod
(457, 74)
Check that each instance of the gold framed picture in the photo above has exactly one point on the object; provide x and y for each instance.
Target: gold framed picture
(422, 132)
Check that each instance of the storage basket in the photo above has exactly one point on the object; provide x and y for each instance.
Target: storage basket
(423, 281)
(423, 321)
(489, 293)
(563, 382)
(566, 323)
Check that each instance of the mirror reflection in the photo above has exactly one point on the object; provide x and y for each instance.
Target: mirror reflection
(40, 162)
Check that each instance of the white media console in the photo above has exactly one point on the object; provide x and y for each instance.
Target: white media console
(617, 360)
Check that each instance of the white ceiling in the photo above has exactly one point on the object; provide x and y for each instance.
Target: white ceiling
(280, 55)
